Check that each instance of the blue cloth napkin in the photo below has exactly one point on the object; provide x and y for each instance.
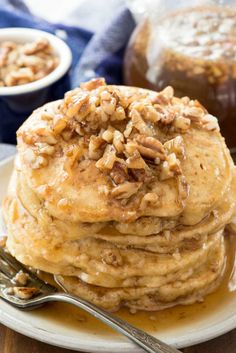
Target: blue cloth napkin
(98, 54)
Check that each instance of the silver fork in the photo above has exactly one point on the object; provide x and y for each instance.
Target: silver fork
(9, 267)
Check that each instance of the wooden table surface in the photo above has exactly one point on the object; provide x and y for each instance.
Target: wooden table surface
(12, 342)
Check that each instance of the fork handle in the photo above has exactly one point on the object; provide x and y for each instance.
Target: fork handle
(148, 343)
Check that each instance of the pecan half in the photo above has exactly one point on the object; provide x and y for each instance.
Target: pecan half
(149, 147)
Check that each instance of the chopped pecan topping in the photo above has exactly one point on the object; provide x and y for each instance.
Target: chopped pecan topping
(35, 162)
(118, 141)
(194, 113)
(130, 137)
(135, 161)
(164, 97)
(128, 129)
(139, 123)
(170, 167)
(78, 105)
(142, 175)
(125, 190)
(59, 123)
(108, 103)
(44, 148)
(182, 123)
(107, 135)
(150, 147)
(108, 159)
(93, 84)
(95, 150)
(119, 173)
(210, 123)
(175, 145)
(167, 117)
(150, 199)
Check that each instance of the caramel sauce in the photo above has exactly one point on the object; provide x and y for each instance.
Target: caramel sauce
(164, 320)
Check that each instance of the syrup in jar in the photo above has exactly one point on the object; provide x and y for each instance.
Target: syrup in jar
(193, 50)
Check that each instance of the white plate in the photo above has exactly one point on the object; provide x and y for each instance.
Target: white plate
(56, 333)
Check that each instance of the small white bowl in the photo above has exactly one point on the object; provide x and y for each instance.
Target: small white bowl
(24, 35)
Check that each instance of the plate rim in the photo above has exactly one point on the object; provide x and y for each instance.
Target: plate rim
(64, 341)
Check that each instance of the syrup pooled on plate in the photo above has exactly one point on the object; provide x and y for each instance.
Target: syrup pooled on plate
(180, 315)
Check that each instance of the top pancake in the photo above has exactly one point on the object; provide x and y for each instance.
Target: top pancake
(107, 153)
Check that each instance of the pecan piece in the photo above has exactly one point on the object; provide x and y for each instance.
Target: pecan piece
(142, 175)
(170, 167)
(176, 145)
(108, 159)
(96, 146)
(108, 103)
(182, 123)
(25, 292)
(167, 117)
(93, 84)
(210, 123)
(164, 97)
(77, 105)
(150, 147)
(107, 135)
(125, 190)
(44, 148)
(135, 161)
(119, 173)
(150, 199)
(139, 124)
(38, 45)
(118, 141)
(194, 113)
(59, 123)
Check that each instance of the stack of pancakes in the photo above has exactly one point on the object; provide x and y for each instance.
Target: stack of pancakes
(123, 194)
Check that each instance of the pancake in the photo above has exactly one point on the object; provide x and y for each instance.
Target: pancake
(81, 184)
(124, 195)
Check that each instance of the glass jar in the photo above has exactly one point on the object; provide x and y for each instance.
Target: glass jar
(193, 50)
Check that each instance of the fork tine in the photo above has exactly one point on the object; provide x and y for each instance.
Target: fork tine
(4, 280)
(10, 260)
(7, 270)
